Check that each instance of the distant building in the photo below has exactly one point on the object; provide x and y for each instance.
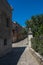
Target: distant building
(16, 32)
(5, 27)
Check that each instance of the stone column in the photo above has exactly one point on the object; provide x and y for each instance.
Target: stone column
(30, 35)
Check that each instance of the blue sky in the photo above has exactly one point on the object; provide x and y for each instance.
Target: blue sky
(24, 9)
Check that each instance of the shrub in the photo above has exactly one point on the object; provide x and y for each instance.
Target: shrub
(37, 44)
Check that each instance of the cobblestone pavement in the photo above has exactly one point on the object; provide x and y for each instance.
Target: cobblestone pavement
(20, 55)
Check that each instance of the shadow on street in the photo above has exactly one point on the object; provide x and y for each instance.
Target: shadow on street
(13, 57)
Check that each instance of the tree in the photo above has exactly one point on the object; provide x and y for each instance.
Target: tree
(36, 24)
(23, 31)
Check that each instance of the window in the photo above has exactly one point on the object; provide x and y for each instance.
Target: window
(16, 29)
(7, 22)
(5, 41)
(13, 32)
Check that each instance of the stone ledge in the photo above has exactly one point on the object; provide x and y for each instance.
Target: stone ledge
(37, 55)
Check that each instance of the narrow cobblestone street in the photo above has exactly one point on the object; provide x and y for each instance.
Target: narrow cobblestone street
(20, 55)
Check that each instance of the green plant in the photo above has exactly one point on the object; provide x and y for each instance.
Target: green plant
(37, 45)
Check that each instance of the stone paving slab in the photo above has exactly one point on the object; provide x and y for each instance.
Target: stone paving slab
(22, 43)
(27, 58)
(20, 55)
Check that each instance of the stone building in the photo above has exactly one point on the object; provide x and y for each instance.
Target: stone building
(16, 32)
(5, 27)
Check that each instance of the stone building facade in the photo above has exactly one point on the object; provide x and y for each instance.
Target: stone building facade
(16, 32)
(5, 27)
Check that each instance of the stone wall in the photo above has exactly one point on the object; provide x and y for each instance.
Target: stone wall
(5, 7)
(5, 27)
(5, 48)
(38, 57)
